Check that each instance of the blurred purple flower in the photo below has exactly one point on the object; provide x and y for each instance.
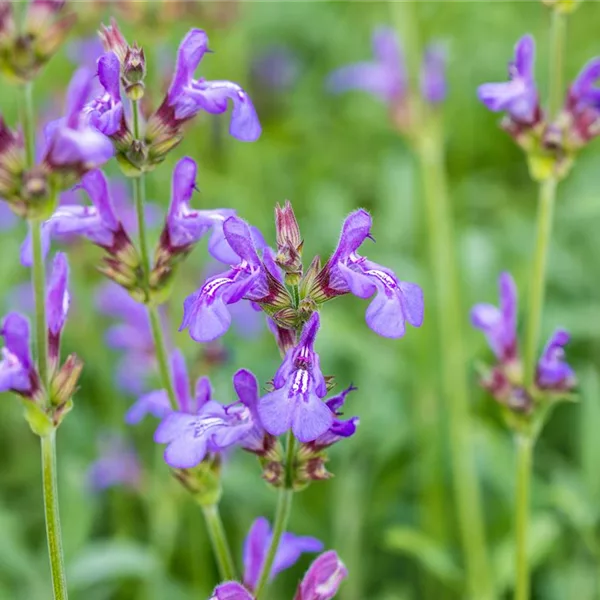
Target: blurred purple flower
(296, 403)
(276, 68)
(17, 371)
(188, 96)
(433, 74)
(395, 302)
(8, 219)
(133, 335)
(385, 77)
(256, 548)
(323, 578)
(517, 97)
(553, 373)
(500, 324)
(84, 52)
(117, 465)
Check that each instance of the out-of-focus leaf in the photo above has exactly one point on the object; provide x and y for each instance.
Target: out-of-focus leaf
(427, 552)
(104, 561)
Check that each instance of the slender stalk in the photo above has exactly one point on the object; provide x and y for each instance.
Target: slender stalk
(452, 357)
(219, 542)
(139, 198)
(282, 516)
(28, 123)
(38, 274)
(161, 354)
(538, 274)
(524, 462)
(59, 581)
(558, 30)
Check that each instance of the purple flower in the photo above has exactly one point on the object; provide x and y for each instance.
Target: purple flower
(517, 97)
(395, 303)
(206, 312)
(17, 372)
(384, 77)
(84, 52)
(7, 216)
(231, 590)
(105, 112)
(117, 465)
(323, 578)
(553, 373)
(132, 335)
(500, 324)
(433, 74)
(296, 403)
(583, 104)
(71, 142)
(276, 68)
(339, 429)
(57, 305)
(200, 425)
(187, 96)
(186, 226)
(98, 223)
(256, 547)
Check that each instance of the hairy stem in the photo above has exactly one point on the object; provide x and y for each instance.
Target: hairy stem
(59, 580)
(524, 462)
(219, 543)
(450, 322)
(282, 515)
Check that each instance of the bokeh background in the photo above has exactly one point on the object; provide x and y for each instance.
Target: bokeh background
(328, 155)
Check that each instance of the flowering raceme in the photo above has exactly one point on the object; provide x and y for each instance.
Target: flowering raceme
(550, 141)
(554, 378)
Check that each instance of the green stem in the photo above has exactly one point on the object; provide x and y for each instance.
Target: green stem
(219, 543)
(28, 123)
(558, 32)
(452, 356)
(38, 274)
(162, 354)
(139, 198)
(59, 581)
(282, 515)
(524, 461)
(538, 274)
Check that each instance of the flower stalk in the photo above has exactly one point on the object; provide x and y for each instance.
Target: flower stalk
(282, 515)
(219, 542)
(524, 445)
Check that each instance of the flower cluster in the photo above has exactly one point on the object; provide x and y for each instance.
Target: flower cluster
(140, 147)
(45, 409)
(554, 378)
(386, 77)
(25, 49)
(321, 581)
(550, 141)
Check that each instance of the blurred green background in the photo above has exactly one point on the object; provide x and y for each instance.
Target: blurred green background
(329, 155)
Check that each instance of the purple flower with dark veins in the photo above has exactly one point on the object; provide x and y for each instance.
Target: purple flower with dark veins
(105, 112)
(296, 403)
(199, 425)
(188, 96)
(117, 465)
(553, 373)
(256, 548)
(132, 335)
(395, 303)
(98, 223)
(323, 578)
(500, 324)
(206, 312)
(186, 226)
(517, 97)
(384, 77)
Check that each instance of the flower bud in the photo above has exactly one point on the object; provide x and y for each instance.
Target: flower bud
(323, 578)
(289, 243)
(112, 39)
(64, 383)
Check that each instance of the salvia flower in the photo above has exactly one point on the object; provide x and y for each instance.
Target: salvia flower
(296, 402)
(231, 590)
(185, 227)
(117, 465)
(256, 548)
(518, 97)
(395, 302)
(554, 378)
(17, 371)
(323, 578)
(188, 96)
(58, 300)
(206, 312)
(25, 50)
